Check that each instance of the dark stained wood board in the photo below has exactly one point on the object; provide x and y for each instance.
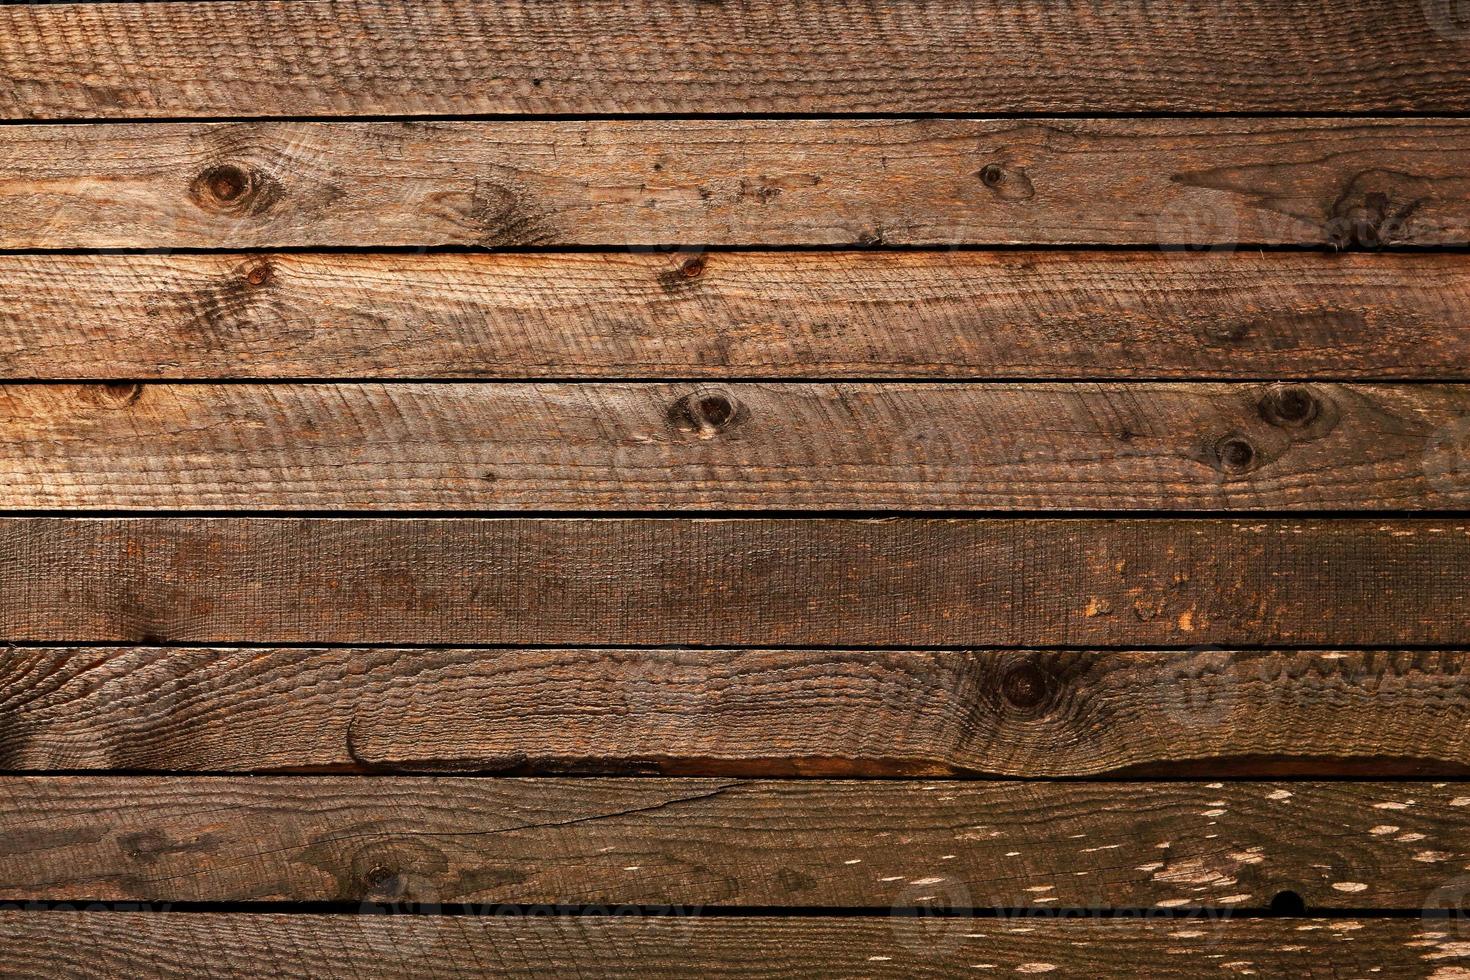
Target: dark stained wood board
(1052, 181)
(98, 945)
(736, 446)
(435, 57)
(870, 314)
(901, 582)
(1205, 712)
(703, 842)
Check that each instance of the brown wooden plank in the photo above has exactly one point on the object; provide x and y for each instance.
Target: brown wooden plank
(822, 843)
(1204, 712)
(638, 56)
(1052, 181)
(86, 945)
(629, 446)
(1067, 315)
(900, 582)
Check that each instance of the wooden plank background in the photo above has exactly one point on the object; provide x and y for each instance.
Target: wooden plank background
(747, 488)
(95, 945)
(437, 57)
(1049, 181)
(742, 712)
(1066, 315)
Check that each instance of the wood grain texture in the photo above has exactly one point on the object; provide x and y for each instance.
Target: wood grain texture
(91, 945)
(1068, 315)
(1204, 712)
(1370, 182)
(756, 582)
(816, 843)
(741, 446)
(96, 945)
(637, 56)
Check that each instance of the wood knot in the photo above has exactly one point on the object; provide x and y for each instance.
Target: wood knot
(1026, 686)
(1290, 406)
(1234, 454)
(230, 188)
(115, 394)
(1225, 331)
(259, 275)
(705, 412)
(1008, 184)
(382, 881)
(693, 268)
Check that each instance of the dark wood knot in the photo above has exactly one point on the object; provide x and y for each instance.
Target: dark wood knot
(1027, 686)
(1007, 183)
(234, 189)
(705, 412)
(1235, 454)
(1290, 406)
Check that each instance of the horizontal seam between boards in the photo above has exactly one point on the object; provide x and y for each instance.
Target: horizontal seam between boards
(1221, 114)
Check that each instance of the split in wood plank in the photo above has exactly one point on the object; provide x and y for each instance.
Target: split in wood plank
(753, 582)
(1345, 183)
(435, 57)
(1203, 712)
(741, 446)
(818, 843)
(1063, 315)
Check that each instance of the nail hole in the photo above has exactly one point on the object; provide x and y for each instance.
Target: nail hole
(992, 174)
(1235, 454)
(1288, 903)
(1289, 406)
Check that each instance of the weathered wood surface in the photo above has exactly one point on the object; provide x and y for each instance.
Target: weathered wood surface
(377, 57)
(821, 843)
(1069, 315)
(807, 581)
(630, 446)
(97, 945)
(1145, 182)
(88, 945)
(737, 712)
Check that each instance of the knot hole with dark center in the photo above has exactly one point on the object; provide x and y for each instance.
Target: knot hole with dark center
(1028, 688)
(705, 412)
(1290, 406)
(1235, 455)
(1007, 183)
(234, 189)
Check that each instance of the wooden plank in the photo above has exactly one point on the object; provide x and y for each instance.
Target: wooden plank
(815, 582)
(1369, 182)
(87, 945)
(1067, 315)
(630, 446)
(819, 843)
(110, 60)
(1204, 712)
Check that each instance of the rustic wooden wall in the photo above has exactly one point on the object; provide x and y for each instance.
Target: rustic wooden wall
(655, 488)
